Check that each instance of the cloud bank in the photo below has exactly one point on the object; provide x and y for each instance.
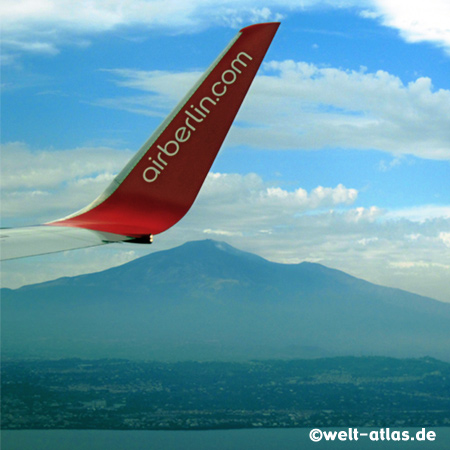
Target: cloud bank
(38, 186)
(309, 107)
(45, 26)
(407, 248)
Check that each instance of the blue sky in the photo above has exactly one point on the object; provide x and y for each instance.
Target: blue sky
(339, 155)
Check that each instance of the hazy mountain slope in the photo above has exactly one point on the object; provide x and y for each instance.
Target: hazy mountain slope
(207, 300)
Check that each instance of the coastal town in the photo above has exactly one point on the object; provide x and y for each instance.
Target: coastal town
(121, 394)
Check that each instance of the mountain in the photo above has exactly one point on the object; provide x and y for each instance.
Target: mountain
(206, 300)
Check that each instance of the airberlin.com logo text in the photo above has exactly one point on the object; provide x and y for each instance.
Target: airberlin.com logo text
(194, 116)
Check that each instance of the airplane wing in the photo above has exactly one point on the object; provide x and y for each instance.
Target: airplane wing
(42, 239)
(160, 183)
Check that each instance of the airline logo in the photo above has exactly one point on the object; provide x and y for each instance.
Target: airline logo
(194, 116)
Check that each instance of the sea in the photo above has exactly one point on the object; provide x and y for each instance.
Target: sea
(247, 439)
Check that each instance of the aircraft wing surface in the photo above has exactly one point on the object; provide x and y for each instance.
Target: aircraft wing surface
(161, 182)
(40, 240)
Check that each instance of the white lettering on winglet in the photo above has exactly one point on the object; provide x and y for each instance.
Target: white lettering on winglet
(195, 115)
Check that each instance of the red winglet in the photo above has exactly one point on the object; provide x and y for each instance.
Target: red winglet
(159, 185)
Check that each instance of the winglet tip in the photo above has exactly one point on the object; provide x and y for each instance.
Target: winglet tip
(255, 26)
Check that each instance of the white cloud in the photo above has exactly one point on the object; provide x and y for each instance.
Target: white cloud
(417, 20)
(45, 48)
(369, 14)
(445, 238)
(42, 185)
(418, 264)
(309, 107)
(23, 167)
(222, 232)
(364, 214)
(367, 241)
(420, 213)
(243, 204)
(395, 162)
(45, 25)
(164, 90)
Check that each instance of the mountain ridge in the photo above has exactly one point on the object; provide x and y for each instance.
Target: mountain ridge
(208, 300)
(172, 254)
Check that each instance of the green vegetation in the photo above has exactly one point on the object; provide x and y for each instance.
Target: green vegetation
(121, 394)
